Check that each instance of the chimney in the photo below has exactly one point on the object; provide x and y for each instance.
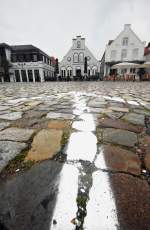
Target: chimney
(127, 26)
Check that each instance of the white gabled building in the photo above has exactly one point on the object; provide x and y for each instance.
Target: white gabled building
(127, 47)
(72, 65)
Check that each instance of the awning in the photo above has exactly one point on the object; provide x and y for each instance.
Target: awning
(125, 65)
(145, 65)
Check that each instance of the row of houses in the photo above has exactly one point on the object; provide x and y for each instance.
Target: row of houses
(27, 63)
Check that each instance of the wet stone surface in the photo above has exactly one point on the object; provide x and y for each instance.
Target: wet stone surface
(118, 136)
(16, 134)
(99, 173)
(8, 151)
(45, 145)
(118, 159)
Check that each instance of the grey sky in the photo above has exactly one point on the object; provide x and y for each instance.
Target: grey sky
(51, 24)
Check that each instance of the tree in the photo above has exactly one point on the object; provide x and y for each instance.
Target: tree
(56, 67)
(5, 64)
(85, 66)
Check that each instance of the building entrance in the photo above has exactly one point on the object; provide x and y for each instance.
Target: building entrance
(78, 73)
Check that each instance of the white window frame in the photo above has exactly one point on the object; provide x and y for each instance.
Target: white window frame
(125, 41)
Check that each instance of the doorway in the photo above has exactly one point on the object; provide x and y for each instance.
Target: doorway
(78, 73)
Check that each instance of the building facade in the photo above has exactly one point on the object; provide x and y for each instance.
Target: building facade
(127, 47)
(73, 63)
(147, 57)
(27, 63)
(147, 53)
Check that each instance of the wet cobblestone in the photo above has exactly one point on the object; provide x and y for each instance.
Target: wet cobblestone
(90, 116)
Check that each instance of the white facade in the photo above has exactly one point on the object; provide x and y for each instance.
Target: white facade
(44, 70)
(73, 62)
(127, 47)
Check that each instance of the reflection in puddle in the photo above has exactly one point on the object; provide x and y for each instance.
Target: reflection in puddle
(65, 208)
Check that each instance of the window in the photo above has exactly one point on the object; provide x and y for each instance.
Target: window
(69, 72)
(123, 71)
(17, 75)
(125, 41)
(28, 57)
(75, 57)
(81, 57)
(24, 76)
(132, 70)
(21, 58)
(113, 54)
(135, 53)
(30, 75)
(35, 57)
(78, 44)
(14, 58)
(63, 73)
(37, 75)
(123, 54)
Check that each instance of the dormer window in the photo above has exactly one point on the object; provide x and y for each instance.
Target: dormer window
(78, 44)
(125, 41)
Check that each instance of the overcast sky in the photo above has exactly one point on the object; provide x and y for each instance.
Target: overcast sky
(51, 24)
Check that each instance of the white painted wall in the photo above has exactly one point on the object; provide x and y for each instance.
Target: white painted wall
(8, 54)
(66, 64)
(133, 42)
(41, 66)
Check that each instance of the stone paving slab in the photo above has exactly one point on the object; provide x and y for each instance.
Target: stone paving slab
(136, 119)
(8, 151)
(118, 124)
(65, 116)
(11, 116)
(119, 109)
(132, 196)
(45, 145)
(118, 159)
(59, 124)
(118, 136)
(147, 106)
(4, 125)
(4, 107)
(147, 156)
(115, 115)
(16, 134)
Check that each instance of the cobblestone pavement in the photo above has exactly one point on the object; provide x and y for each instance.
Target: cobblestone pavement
(97, 148)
